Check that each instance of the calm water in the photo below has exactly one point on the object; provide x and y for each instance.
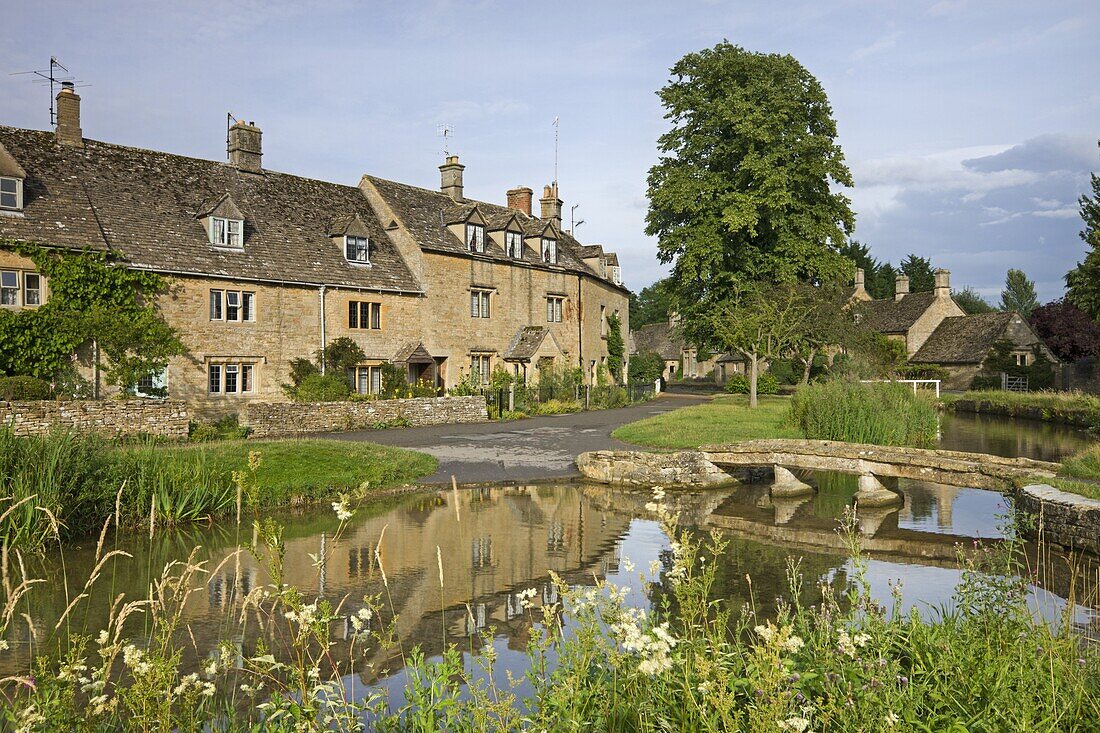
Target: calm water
(498, 541)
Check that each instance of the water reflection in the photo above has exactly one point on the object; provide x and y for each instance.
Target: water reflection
(1001, 436)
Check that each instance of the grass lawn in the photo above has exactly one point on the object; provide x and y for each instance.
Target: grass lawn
(1081, 474)
(726, 419)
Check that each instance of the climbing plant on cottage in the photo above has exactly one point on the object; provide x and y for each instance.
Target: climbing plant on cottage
(93, 300)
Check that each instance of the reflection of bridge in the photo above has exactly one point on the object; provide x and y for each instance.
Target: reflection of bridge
(878, 467)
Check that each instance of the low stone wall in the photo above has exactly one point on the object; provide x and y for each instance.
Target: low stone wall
(111, 418)
(271, 419)
(636, 468)
(1065, 519)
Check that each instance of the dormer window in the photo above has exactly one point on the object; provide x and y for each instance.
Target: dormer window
(357, 249)
(11, 193)
(550, 250)
(226, 232)
(475, 237)
(513, 244)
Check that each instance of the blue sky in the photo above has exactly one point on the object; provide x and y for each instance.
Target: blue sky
(970, 127)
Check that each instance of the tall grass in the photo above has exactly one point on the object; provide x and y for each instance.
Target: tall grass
(1074, 408)
(878, 413)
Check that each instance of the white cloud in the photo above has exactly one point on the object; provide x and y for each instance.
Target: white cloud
(883, 44)
(946, 7)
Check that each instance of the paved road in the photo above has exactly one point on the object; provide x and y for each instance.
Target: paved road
(521, 450)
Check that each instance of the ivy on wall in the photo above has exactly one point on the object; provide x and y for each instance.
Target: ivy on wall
(616, 347)
(91, 300)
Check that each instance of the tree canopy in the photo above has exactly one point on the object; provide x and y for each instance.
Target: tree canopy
(743, 189)
(1083, 281)
(971, 302)
(1067, 330)
(919, 270)
(651, 304)
(878, 277)
(1019, 293)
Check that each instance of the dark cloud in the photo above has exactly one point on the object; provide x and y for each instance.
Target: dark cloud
(1042, 154)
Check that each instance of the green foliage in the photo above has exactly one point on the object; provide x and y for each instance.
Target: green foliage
(923, 371)
(646, 367)
(501, 378)
(726, 419)
(742, 191)
(1072, 408)
(652, 304)
(301, 368)
(92, 298)
(1083, 281)
(919, 271)
(1039, 373)
(878, 277)
(616, 347)
(971, 303)
(340, 355)
(878, 414)
(323, 388)
(227, 428)
(1019, 294)
(766, 384)
(25, 388)
(395, 381)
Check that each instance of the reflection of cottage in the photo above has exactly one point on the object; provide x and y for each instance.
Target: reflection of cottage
(962, 345)
(681, 358)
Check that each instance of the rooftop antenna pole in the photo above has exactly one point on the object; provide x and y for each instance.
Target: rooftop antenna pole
(556, 121)
(229, 120)
(446, 131)
(51, 76)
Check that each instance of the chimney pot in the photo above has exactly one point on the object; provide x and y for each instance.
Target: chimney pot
(943, 283)
(519, 199)
(901, 287)
(859, 277)
(450, 174)
(68, 130)
(551, 204)
(245, 147)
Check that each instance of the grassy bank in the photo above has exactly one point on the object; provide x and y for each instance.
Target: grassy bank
(65, 485)
(726, 419)
(833, 658)
(1072, 408)
(1079, 474)
(878, 414)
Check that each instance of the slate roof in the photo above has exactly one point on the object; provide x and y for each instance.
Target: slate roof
(963, 339)
(143, 206)
(525, 343)
(9, 166)
(657, 338)
(426, 213)
(894, 316)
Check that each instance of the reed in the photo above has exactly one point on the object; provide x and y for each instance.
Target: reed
(854, 412)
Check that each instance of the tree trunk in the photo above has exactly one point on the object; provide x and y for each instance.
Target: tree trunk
(808, 365)
(753, 369)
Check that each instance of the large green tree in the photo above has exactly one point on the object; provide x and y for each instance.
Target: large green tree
(743, 190)
(1019, 293)
(878, 277)
(651, 304)
(971, 301)
(1083, 281)
(919, 270)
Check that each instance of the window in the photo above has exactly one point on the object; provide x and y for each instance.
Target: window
(475, 237)
(357, 249)
(513, 244)
(32, 288)
(480, 368)
(232, 305)
(9, 287)
(603, 320)
(479, 303)
(553, 308)
(231, 378)
(367, 379)
(364, 314)
(11, 193)
(153, 385)
(1021, 359)
(226, 232)
(549, 250)
(615, 274)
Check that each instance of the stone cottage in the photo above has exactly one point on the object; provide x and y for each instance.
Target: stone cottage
(265, 266)
(681, 359)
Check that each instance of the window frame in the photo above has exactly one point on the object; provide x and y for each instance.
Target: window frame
(483, 365)
(362, 244)
(481, 303)
(15, 290)
(477, 242)
(27, 289)
(243, 377)
(244, 310)
(555, 307)
(549, 250)
(158, 380)
(513, 244)
(16, 193)
(223, 236)
(368, 375)
(362, 312)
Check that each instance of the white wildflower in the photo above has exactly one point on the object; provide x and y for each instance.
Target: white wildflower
(342, 511)
(658, 493)
(793, 644)
(892, 719)
(654, 567)
(767, 633)
(798, 725)
(628, 566)
(525, 597)
(861, 640)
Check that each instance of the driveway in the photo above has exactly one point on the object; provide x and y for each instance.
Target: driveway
(519, 450)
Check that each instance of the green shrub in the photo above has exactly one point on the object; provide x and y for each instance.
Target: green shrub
(323, 388)
(646, 367)
(765, 384)
(879, 414)
(556, 407)
(923, 371)
(24, 388)
(228, 428)
(984, 382)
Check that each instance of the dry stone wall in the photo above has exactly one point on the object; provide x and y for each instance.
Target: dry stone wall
(110, 418)
(1065, 519)
(272, 419)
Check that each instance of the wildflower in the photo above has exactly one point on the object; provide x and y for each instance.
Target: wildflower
(798, 725)
(3, 645)
(342, 511)
(525, 597)
(892, 719)
(793, 644)
(628, 566)
(102, 639)
(654, 567)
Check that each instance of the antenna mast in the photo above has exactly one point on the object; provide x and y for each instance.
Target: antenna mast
(556, 121)
(51, 76)
(447, 132)
(229, 120)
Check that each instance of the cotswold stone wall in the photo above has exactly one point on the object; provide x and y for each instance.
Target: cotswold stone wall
(268, 419)
(1065, 519)
(111, 418)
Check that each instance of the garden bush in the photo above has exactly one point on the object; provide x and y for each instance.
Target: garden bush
(765, 384)
(323, 388)
(24, 388)
(879, 414)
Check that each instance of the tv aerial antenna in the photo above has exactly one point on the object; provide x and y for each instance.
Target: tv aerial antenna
(573, 221)
(447, 132)
(557, 121)
(54, 77)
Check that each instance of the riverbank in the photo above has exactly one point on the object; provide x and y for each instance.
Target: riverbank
(1069, 408)
(725, 419)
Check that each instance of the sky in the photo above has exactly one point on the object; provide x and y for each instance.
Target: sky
(970, 127)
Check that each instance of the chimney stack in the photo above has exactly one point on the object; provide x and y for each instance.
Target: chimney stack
(901, 287)
(551, 204)
(859, 278)
(245, 150)
(68, 116)
(450, 174)
(519, 199)
(943, 283)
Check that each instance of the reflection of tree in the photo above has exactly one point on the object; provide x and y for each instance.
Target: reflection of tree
(1003, 436)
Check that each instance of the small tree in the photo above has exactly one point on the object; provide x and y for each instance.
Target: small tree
(828, 323)
(1083, 281)
(1019, 294)
(646, 367)
(971, 303)
(340, 355)
(919, 271)
(763, 321)
(1067, 330)
(616, 347)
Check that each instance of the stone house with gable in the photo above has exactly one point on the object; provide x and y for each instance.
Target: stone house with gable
(681, 359)
(265, 267)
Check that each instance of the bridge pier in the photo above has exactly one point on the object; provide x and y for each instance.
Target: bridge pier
(787, 484)
(869, 520)
(873, 493)
(787, 506)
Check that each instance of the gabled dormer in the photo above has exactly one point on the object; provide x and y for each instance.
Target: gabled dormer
(353, 237)
(507, 231)
(12, 177)
(469, 225)
(545, 239)
(224, 222)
